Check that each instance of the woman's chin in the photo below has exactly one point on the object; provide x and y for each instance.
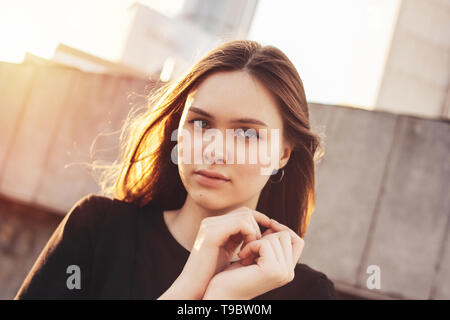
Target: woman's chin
(211, 203)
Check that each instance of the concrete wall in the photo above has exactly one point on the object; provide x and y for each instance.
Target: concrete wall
(382, 188)
(50, 118)
(383, 199)
(24, 231)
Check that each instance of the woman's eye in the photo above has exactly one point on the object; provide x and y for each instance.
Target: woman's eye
(198, 122)
(240, 132)
(247, 132)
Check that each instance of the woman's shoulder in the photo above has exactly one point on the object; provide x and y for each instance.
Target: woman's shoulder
(101, 218)
(95, 209)
(97, 202)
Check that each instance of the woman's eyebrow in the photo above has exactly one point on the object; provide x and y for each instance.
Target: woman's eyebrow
(242, 120)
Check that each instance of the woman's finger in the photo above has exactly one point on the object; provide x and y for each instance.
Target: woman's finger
(288, 250)
(277, 226)
(254, 217)
(233, 227)
(274, 240)
(250, 259)
(257, 229)
(267, 232)
(259, 248)
(248, 251)
(219, 232)
(260, 217)
(285, 240)
(246, 255)
(297, 242)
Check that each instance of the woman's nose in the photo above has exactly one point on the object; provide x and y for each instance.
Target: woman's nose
(215, 149)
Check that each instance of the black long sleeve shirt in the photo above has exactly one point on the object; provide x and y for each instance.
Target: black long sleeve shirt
(127, 252)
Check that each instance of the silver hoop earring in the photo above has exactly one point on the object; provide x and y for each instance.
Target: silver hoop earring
(281, 178)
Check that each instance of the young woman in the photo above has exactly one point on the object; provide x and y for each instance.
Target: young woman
(218, 228)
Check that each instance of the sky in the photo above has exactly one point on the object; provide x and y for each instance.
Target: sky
(95, 26)
(338, 47)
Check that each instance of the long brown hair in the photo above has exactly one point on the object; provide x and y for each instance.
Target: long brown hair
(144, 171)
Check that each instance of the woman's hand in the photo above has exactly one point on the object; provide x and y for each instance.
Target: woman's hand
(276, 255)
(217, 240)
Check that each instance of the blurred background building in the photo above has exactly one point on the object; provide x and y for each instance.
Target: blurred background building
(156, 42)
(376, 74)
(416, 74)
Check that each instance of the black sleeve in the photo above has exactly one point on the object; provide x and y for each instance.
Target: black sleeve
(65, 259)
(322, 289)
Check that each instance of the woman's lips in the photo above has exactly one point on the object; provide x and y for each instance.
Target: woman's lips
(208, 181)
(212, 174)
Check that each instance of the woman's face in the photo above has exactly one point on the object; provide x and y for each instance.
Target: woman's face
(235, 101)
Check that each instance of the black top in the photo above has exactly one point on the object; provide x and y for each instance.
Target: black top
(126, 252)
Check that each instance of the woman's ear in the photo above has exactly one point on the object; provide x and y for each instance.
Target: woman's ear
(286, 154)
